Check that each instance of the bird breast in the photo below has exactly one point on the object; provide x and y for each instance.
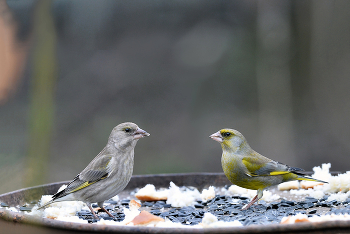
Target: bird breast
(235, 172)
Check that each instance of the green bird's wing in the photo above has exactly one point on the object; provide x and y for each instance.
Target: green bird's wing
(97, 170)
(267, 167)
(258, 165)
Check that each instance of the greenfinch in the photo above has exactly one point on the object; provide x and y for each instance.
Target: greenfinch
(246, 168)
(108, 173)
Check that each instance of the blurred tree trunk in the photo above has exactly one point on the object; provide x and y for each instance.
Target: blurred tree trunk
(330, 59)
(42, 95)
(274, 80)
(13, 54)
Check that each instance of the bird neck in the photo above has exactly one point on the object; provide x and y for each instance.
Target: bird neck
(115, 149)
(229, 147)
(122, 145)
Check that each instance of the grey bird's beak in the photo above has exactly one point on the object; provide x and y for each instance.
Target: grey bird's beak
(139, 133)
(216, 137)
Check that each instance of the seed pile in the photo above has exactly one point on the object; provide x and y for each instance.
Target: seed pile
(225, 206)
(228, 208)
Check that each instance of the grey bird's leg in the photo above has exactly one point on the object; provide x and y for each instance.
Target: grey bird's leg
(92, 211)
(100, 204)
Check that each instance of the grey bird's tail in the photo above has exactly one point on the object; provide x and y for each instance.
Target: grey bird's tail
(46, 204)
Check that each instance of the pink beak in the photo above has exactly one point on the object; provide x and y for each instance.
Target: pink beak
(216, 137)
(139, 133)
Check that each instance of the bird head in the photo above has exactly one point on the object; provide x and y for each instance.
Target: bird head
(229, 139)
(126, 135)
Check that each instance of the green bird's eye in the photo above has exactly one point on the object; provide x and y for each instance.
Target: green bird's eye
(127, 130)
(226, 134)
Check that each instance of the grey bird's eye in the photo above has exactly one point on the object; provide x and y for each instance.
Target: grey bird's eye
(127, 130)
(226, 134)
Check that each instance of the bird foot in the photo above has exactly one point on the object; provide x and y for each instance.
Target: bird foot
(245, 207)
(93, 212)
(255, 199)
(107, 212)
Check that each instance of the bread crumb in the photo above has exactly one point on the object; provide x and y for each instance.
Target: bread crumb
(134, 204)
(209, 220)
(288, 185)
(208, 194)
(146, 218)
(267, 196)
(299, 218)
(182, 198)
(309, 184)
(149, 193)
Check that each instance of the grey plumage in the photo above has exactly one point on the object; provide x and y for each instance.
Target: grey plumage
(108, 173)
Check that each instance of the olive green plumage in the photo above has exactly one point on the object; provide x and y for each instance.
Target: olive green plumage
(108, 173)
(248, 169)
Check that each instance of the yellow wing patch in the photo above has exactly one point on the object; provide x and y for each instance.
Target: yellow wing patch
(308, 179)
(252, 167)
(85, 184)
(279, 172)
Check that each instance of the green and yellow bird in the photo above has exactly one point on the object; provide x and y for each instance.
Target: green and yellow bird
(248, 169)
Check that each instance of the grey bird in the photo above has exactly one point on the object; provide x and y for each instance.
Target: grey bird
(108, 173)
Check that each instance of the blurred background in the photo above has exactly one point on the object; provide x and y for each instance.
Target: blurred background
(277, 71)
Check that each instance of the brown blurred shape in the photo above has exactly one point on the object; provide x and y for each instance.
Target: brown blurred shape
(12, 53)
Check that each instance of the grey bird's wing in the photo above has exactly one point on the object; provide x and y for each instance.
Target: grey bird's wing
(97, 170)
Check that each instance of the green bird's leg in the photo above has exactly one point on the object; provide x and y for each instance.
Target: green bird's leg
(257, 197)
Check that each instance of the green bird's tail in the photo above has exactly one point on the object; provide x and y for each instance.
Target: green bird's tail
(310, 179)
(303, 177)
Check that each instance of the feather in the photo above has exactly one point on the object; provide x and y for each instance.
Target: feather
(88, 176)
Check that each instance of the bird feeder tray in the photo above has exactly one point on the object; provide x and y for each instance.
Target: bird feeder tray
(19, 220)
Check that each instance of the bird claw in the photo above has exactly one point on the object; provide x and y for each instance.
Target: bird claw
(96, 217)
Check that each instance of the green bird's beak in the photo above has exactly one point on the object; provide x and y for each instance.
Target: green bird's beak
(217, 137)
